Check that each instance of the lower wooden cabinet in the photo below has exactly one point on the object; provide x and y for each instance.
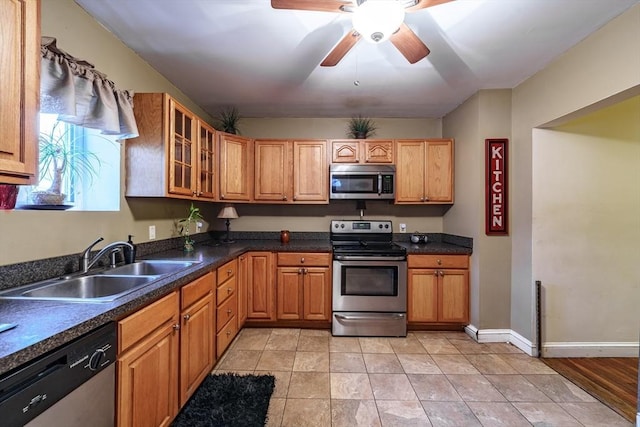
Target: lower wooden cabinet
(438, 289)
(197, 342)
(164, 352)
(260, 286)
(227, 305)
(147, 365)
(243, 266)
(303, 286)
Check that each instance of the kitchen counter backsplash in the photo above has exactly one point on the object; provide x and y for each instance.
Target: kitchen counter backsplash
(34, 271)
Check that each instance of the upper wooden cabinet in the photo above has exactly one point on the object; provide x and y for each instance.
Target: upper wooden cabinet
(361, 151)
(20, 90)
(424, 171)
(236, 168)
(273, 170)
(310, 171)
(291, 171)
(174, 156)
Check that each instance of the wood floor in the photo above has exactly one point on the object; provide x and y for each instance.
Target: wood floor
(612, 380)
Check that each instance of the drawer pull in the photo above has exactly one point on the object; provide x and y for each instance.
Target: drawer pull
(439, 261)
(229, 311)
(229, 290)
(186, 317)
(302, 260)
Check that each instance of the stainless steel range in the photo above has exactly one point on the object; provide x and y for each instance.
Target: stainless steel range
(369, 280)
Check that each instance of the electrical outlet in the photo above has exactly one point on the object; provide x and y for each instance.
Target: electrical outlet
(198, 226)
(152, 232)
(403, 228)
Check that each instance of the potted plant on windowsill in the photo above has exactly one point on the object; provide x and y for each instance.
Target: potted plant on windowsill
(361, 127)
(60, 159)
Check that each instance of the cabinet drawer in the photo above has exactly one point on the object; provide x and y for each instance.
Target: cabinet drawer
(226, 312)
(438, 261)
(226, 290)
(227, 271)
(195, 290)
(310, 259)
(142, 323)
(225, 336)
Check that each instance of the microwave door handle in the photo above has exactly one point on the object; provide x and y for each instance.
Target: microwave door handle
(379, 184)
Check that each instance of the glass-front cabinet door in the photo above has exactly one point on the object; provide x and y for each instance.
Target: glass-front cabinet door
(207, 150)
(182, 150)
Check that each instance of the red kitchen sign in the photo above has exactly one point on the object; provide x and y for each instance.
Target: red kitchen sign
(496, 187)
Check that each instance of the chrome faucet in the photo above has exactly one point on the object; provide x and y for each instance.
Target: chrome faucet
(111, 248)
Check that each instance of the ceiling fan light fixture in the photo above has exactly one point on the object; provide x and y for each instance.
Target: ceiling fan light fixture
(377, 20)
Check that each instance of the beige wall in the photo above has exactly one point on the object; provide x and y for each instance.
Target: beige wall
(592, 74)
(485, 115)
(43, 234)
(586, 227)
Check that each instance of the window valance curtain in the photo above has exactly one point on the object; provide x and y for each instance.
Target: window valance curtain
(81, 95)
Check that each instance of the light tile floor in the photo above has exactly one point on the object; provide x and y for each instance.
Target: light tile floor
(425, 379)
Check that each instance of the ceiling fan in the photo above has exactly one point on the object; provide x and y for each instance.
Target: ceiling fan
(374, 20)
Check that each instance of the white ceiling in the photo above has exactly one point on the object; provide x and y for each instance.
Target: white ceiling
(266, 61)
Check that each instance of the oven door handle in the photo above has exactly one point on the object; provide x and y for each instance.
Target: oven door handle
(370, 317)
(368, 258)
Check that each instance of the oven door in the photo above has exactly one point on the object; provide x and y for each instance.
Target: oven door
(370, 286)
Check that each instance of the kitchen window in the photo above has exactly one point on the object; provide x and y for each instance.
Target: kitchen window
(91, 178)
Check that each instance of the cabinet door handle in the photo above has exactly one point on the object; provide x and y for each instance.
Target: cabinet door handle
(284, 197)
(229, 272)
(222, 196)
(186, 317)
(228, 333)
(305, 271)
(229, 311)
(441, 273)
(299, 271)
(435, 273)
(229, 290)
(176, 327)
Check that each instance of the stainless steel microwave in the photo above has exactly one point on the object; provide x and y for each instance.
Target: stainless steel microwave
(362, 182)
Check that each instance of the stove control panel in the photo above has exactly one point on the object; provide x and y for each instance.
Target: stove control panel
(356, 226)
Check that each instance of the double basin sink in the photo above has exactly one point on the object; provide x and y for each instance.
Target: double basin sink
(104, 286)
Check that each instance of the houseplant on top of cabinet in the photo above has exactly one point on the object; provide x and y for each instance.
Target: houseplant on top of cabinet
(228, 119)
(361, 127)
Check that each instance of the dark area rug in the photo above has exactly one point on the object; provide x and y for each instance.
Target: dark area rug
(228, 400)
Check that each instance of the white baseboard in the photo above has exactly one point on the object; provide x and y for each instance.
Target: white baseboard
(638, 419)
(501, 335)
(555, 349)
(590, 349)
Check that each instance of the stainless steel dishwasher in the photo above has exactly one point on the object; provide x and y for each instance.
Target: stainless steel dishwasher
(72, 386)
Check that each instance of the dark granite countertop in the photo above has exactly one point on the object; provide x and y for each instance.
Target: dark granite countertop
(44, 325)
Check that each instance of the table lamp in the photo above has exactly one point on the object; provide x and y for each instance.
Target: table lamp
(228, 212)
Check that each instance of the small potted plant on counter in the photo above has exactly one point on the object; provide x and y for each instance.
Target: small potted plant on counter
(361, 127)
(184, 225)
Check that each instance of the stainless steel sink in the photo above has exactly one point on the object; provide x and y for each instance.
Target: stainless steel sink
(151, 267)
(94, 288)
(102, 286)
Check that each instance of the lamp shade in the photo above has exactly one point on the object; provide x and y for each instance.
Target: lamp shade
(228, 212)
(377, 20)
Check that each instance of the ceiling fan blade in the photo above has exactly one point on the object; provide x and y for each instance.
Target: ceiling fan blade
(409, 44)
(341, 49)
(317, 5)
(423, 4)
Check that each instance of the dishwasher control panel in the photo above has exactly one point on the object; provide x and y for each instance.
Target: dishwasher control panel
(30, 389)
